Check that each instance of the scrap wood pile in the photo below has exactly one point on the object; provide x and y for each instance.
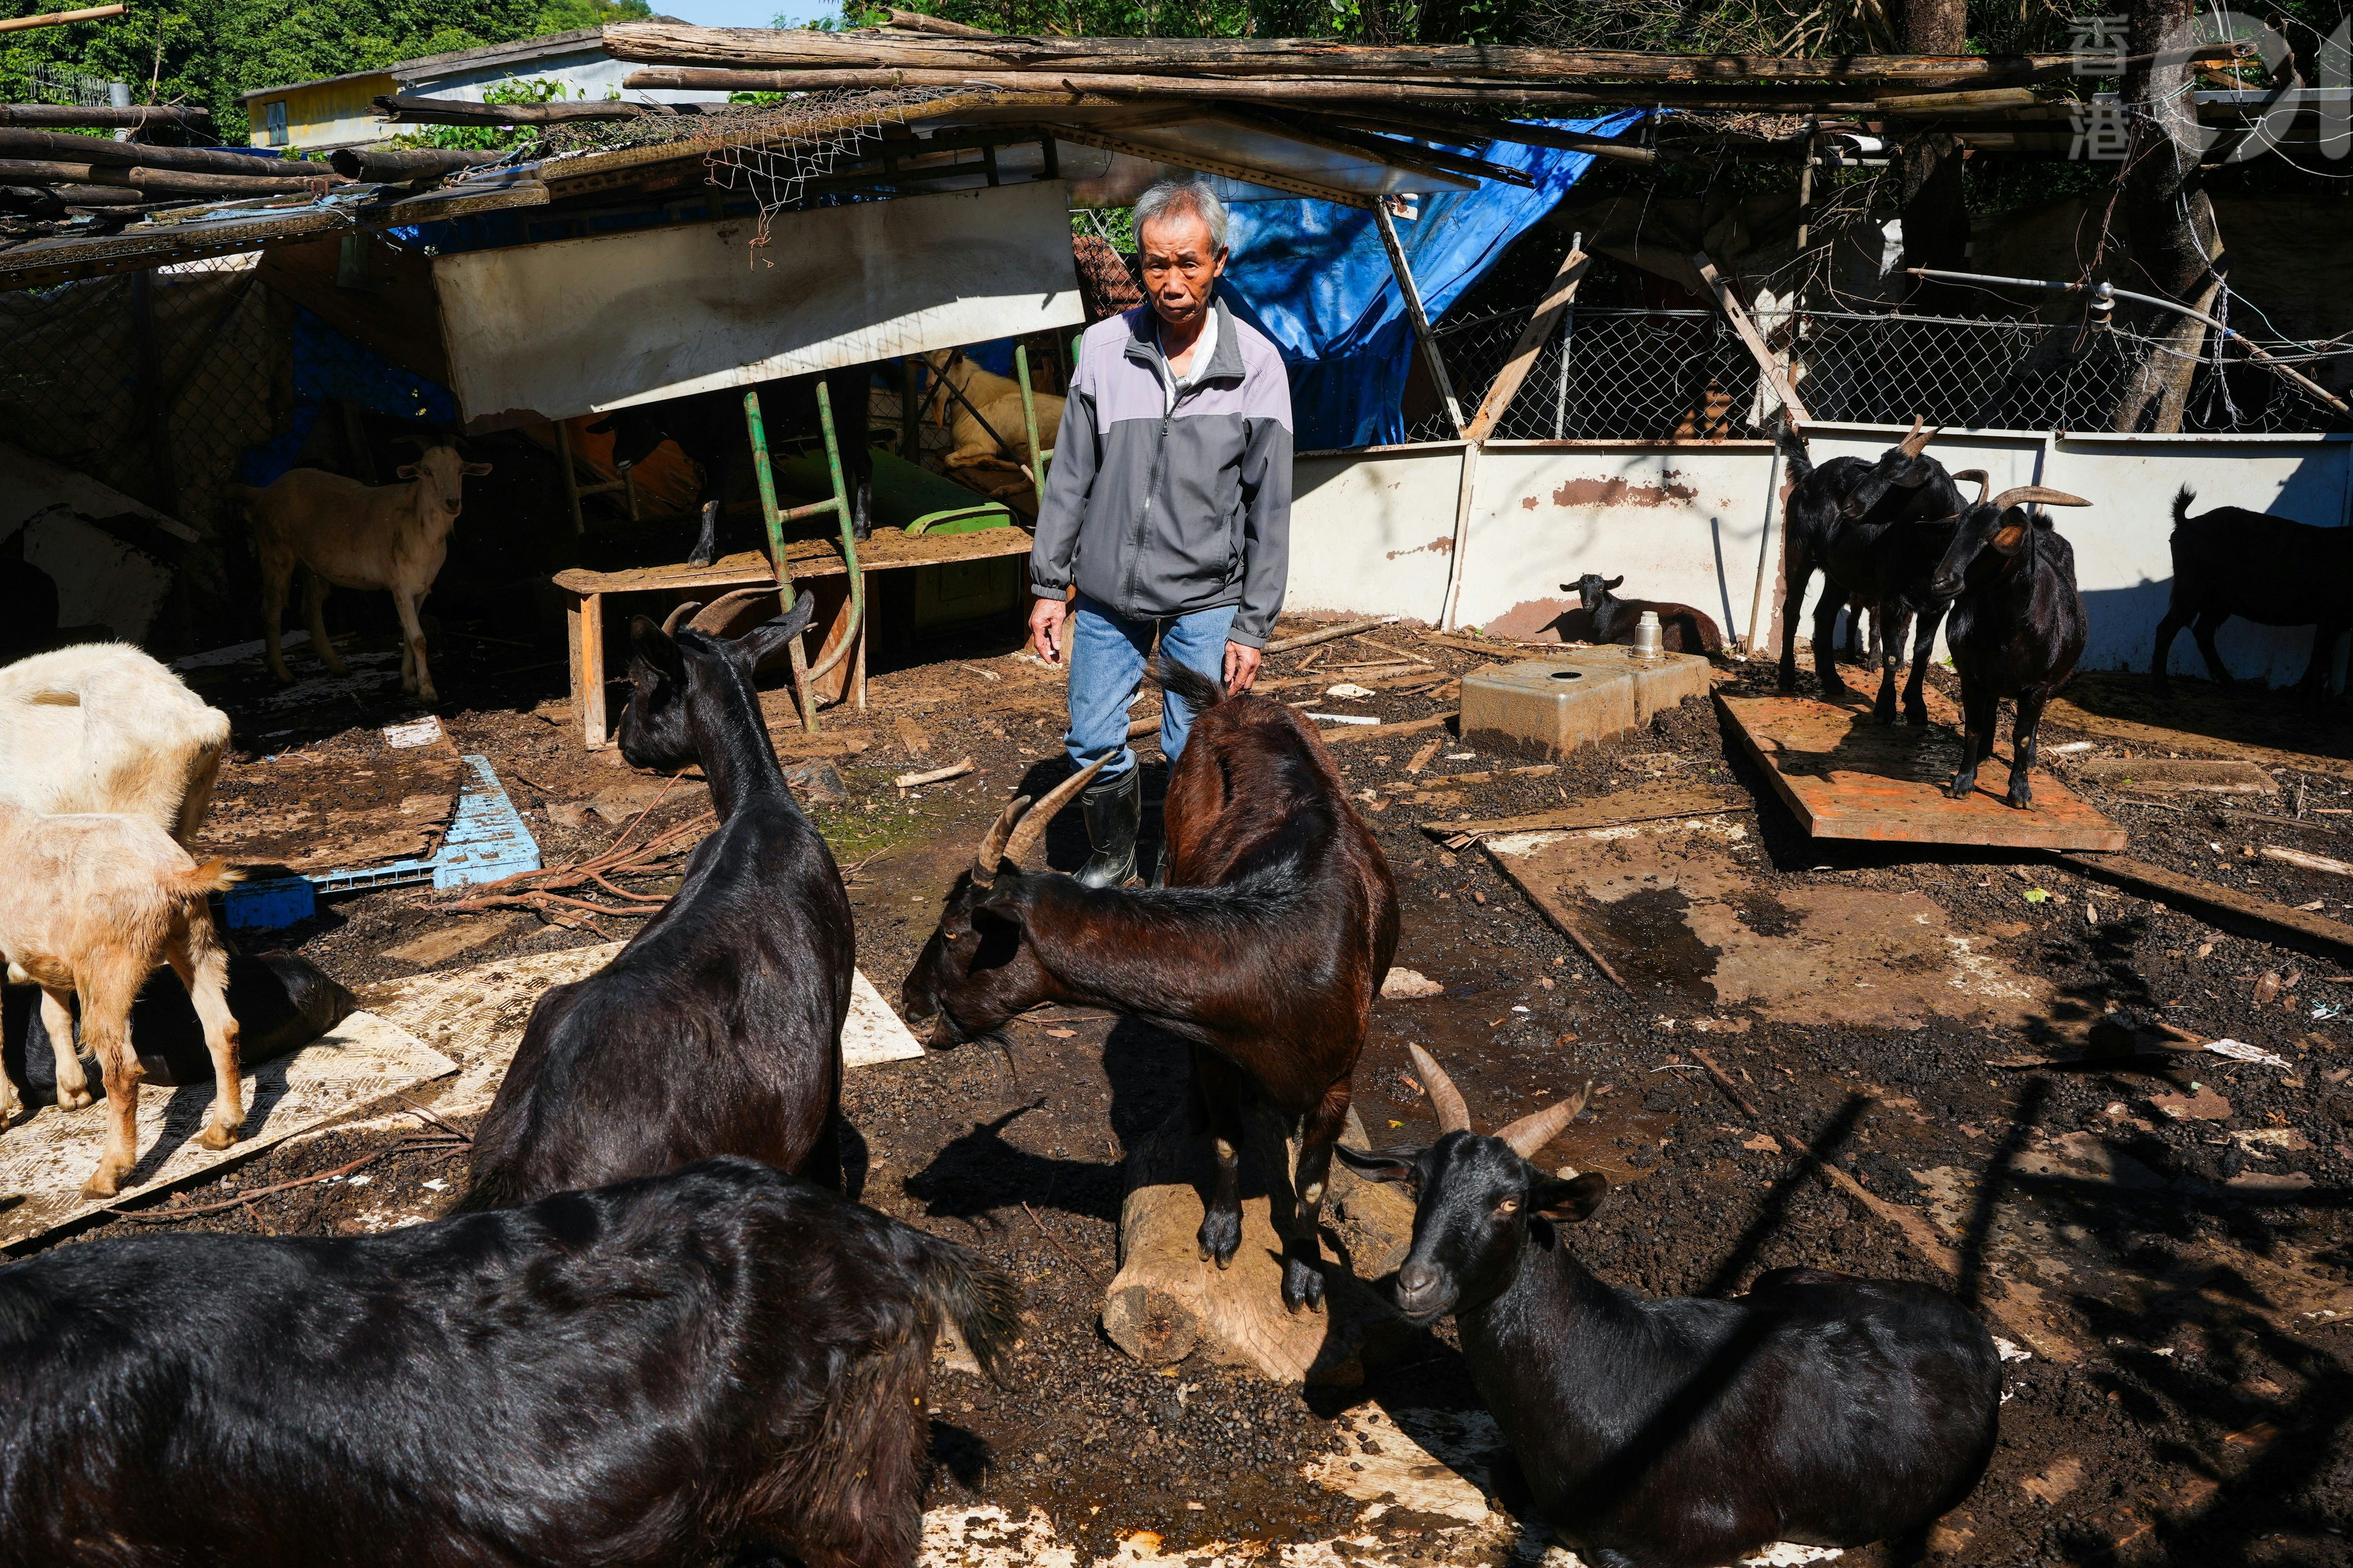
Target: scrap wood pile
(569, 894)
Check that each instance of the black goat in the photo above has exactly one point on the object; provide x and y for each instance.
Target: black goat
(1611, 619)
(1264, 951)
(656, 1374)
(1819, 1409)
(2018, 625)
(1889, 566)
(717, 1030)
(2232, 562)
(1903, 484)
(709, 428)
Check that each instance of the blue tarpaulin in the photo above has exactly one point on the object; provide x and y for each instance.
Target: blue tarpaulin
(327, 365)
(1314, 277)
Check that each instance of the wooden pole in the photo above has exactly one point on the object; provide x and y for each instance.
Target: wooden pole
(1775, 376)
(66, 116)
(672, 43)
(1554, 304)
(1421, 332)
(58, 18)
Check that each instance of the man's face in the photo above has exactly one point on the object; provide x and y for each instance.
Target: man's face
(1180, 263)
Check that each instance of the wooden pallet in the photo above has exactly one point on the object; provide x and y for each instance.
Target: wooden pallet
(1846, 776)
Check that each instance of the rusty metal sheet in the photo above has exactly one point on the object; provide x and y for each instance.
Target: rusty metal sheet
(1847, 776)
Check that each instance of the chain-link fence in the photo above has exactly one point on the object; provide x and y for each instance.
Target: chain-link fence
(1660, 375)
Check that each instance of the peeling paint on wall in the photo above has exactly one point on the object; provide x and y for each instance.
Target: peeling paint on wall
(1544, 620)
(1441, 546)
(1618, 492)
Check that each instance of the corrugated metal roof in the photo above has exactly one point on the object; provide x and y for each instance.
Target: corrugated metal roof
(519, 49)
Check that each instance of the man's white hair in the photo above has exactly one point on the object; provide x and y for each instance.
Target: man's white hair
(1172, 198)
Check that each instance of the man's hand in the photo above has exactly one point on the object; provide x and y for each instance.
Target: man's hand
(1046, 630)
(1241, 667)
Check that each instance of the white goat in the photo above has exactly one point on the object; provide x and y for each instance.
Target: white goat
(390, 537)
(998, 398)
(103, 727)
(91, 906)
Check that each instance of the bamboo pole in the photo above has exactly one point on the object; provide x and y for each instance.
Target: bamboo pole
(671, 43)
(58, 18)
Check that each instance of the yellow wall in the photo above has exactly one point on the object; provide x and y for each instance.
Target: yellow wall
(323, 114)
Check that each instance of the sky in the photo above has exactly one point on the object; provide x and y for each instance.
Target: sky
(742, 13)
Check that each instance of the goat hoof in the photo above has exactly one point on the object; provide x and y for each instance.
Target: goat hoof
(74, 1098)
(101, 1186)
(217, 1137)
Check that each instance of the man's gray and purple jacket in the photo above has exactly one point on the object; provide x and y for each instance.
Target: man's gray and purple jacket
(1156, 512)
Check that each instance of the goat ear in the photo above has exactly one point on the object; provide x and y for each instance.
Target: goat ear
(770, 635)
(406, 470)
(1005, 899)
(1614, 582)
(477, 469)
(2010, 537)
(1569, 1201)
(652, 646)
(1403, 1163)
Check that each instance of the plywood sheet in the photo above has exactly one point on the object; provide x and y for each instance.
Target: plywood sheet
(477, 1016)
(45, 1160)
(353, 800)
(1847, 776)
(575, 326)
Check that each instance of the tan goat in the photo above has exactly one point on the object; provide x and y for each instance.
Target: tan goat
(103, 727)
(351, 535)
(998, 399)
(91, 905)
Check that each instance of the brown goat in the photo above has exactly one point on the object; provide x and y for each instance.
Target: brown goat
(92, 905)
(1264, 951)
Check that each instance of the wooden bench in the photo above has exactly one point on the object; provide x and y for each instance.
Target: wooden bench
(886, 550)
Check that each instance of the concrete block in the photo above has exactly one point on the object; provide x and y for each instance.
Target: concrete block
(1549, 707)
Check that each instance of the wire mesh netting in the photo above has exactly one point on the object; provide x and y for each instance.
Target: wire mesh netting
(1661, 375)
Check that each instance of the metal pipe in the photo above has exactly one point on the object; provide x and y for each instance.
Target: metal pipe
(804, 676)
(2104, 293)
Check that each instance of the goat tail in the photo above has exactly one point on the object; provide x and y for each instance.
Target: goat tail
(979, 1299)
(1200, 693)
(2181, 500)
(213, 876)
(1792, 448)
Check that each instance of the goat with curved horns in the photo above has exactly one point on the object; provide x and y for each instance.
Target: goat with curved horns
(2019, 624)
(1819, 1409)
(1264, 951)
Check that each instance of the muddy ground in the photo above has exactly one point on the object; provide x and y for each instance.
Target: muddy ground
(2170, 1230)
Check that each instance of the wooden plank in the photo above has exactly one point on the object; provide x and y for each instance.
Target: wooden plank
(1649, 802)
(1382, 732)
(1845, 776)
(2167, 775)
(1775, 376)
(2071, 712)
(588, 696)
(2224, 906)
(885, 549)
(1558, 296)
(1421, 332)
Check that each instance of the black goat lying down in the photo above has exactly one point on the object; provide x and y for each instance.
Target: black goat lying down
(1819, 1409)
(717, 1030)
(2232, 562)
(2018, 625)
(1610, 619)
(658, 1372)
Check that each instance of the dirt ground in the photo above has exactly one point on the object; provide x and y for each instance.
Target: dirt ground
(2170, 1232)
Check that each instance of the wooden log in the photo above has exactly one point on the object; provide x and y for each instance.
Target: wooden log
(58, 19)
(1325, 633)
(2224, 906)
(1776, 375)
(1166, 1302)
(1411, 93)
(391, 165)
(916, 21)
(416, 108)
(18, 143)
(79, 117)
(674, 43)
(41, 172)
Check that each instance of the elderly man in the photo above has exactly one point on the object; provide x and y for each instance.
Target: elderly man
(1168, 505)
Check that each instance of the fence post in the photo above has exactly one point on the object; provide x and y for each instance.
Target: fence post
(1567, 332)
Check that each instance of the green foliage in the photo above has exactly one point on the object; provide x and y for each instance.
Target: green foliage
(492, 138)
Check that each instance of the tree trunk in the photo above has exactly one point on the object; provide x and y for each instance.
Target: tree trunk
(2167, 215)
(1166, 1304)
(1936, 214)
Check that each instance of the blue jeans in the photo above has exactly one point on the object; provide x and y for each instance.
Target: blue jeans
(1107, 656)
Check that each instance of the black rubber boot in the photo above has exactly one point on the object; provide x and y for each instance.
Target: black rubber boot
(1114, 813)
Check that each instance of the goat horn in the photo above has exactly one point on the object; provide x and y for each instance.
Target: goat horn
(1032, 826)
(1453, 1116)
(992, 849)
(1918, 442)
(670, 621)
(1984, 482)
(713, 618)
(2027, 494)
(1533, 1131)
